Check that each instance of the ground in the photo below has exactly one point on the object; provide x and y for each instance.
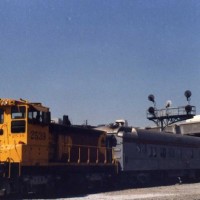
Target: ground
(172, 192)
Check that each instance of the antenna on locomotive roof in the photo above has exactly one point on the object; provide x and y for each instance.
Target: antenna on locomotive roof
(168, 115)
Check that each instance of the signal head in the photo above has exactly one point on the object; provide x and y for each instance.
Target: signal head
(188, 109)
(151, 110)
(151, 98)
(188, 94)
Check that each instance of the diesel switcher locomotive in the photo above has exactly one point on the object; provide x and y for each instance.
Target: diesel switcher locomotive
(35, 152)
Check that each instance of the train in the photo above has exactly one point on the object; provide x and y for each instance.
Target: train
(38, 154)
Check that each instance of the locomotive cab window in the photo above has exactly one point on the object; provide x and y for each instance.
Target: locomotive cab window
(38, 117)
(18, 125)
(1, 116)
(18, 112)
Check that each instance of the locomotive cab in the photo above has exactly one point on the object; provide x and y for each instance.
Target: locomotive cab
(23, 132)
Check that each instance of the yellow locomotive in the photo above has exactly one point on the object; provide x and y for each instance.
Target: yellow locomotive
(35, 151)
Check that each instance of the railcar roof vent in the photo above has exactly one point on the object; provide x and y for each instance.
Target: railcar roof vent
(121, 122)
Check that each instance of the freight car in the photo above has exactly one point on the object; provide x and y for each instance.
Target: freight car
(36, 154)
(145, 155)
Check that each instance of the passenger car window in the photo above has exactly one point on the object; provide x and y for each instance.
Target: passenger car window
(163, 153)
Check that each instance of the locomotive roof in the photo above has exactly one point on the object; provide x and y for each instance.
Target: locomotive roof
(13, 102)
(64, 129)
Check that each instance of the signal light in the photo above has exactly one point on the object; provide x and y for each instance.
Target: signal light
(151, 98)
(188, 109)
(151, 110)
(188, 94)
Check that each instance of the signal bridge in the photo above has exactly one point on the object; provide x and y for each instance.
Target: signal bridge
(169, 115)
(165, 117)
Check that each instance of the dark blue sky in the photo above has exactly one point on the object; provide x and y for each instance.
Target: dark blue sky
(98, 60)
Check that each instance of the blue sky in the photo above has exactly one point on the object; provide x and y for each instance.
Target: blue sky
(98, 60)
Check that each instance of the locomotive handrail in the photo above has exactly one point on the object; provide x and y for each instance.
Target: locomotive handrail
(93, 154)
(9, 162)
(76, 153)
(97, 160)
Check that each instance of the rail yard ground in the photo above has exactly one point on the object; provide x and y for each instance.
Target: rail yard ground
(189, 191)
(172, 192)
